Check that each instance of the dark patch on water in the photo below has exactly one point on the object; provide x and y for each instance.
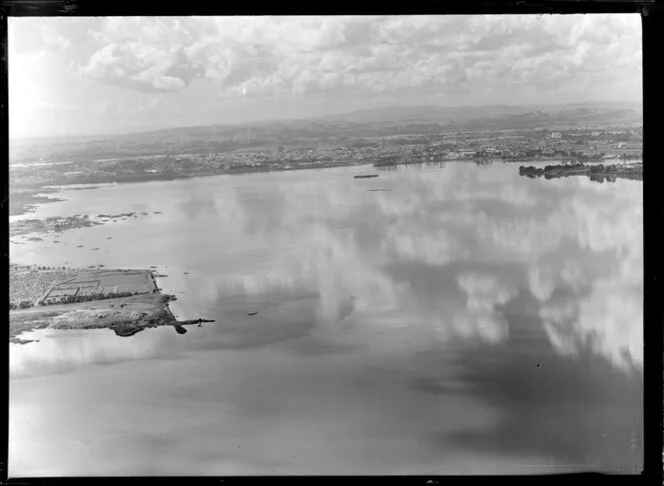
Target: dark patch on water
(581, 411)
(197, 207)
(312, 346)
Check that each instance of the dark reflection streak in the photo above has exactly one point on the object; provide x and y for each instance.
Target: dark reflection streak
(580, 411)
(313, 346)
(197, 207)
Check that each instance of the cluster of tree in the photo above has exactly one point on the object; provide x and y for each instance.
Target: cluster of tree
(602, 178)
(550, 168)
(73, 299)
(631, 156)
(603, 168)
(23, 305)
(527, 169)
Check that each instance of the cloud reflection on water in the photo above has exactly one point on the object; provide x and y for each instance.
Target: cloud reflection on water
(445, 249)
(563, 223)
(465, 310)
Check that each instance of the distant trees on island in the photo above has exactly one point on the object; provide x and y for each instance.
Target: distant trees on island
(530, 170)
(387, 161)
(599, 172)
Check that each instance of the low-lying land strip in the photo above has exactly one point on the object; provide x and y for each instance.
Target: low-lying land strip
(140, 307)
(58, 224)
(596, 172)
(51, 224)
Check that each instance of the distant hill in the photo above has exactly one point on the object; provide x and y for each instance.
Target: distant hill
(455, 114)
(438, 114)
(330, 129)
(567, 117)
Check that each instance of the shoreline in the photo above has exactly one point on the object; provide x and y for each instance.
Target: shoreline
(596, 172)
(27, 199)
(126, 316)
(22, 223)
(30, 198)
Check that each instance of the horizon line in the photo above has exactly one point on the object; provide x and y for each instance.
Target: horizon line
(313, 117)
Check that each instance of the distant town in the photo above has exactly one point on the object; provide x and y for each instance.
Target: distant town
(615, 143)
(567, 134)
(577, 145)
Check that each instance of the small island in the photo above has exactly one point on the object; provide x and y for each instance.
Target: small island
(126, 301)
(50, 225)
(596, 172)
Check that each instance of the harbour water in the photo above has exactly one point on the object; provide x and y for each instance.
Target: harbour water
(461, 319)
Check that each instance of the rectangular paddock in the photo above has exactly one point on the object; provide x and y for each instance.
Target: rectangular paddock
(106, 282)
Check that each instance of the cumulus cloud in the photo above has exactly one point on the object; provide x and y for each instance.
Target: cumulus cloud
(267, 55)
(140, 66)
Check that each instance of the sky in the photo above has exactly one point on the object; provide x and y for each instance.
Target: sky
(107, 75)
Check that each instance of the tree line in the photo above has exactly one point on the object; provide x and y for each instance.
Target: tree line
(73, 299)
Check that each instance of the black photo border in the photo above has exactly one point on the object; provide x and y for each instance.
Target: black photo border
(652, 18)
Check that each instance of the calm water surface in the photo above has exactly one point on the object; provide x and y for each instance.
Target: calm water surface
(466, 321)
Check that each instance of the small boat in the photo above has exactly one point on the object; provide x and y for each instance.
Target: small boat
(252, 313)
(367, 176)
